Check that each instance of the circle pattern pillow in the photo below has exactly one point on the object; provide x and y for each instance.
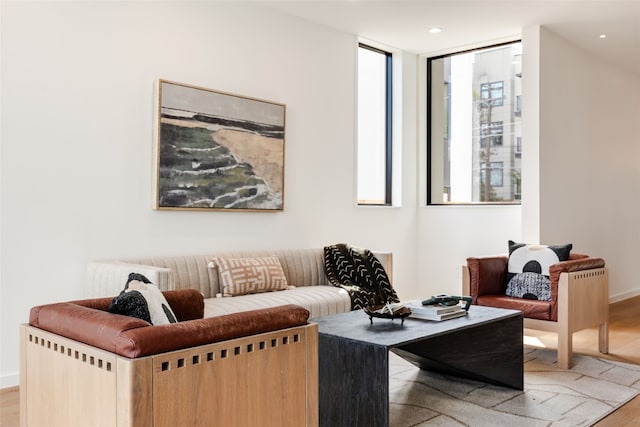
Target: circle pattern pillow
(528, 269)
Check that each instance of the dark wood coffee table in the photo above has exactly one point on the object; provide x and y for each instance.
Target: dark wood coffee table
(485, 345)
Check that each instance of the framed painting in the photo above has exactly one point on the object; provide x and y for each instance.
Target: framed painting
(217, 151)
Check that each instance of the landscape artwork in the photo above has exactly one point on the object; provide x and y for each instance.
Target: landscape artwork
(217, 151)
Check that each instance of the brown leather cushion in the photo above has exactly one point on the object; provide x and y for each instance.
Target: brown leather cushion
(85, 324)
(163, 338)
(487, 275)
(88, 322)
(532, 309)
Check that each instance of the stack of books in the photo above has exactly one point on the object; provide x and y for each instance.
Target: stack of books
(435, 312)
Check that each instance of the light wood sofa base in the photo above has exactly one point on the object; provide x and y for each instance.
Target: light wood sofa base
(267, 379)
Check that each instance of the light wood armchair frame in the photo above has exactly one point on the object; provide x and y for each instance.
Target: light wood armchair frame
(268, 379)
(583, 302)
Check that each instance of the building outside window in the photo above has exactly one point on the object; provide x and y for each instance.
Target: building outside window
(494, 92)
(474, 135)
(496, 133)
(495, 171)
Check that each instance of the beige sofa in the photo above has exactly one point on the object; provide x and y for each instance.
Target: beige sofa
(304, 269)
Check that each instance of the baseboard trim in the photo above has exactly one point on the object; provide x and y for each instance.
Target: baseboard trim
(624, 296)
(11, 380)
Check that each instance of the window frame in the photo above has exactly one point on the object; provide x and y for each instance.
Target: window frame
(388, 175)
(429, 100)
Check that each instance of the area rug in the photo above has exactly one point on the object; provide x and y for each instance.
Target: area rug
(580, 396)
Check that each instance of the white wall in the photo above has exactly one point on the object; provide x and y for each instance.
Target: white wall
(78, 84)
(77, 113)
(589, 151)
(531, 134)
(450, 234)
(77, 104)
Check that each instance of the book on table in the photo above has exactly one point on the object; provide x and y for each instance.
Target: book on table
(435, 311)
(439, 317)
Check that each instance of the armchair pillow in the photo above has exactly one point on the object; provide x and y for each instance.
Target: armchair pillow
(528, 269)
(143, 300)
(529, 286)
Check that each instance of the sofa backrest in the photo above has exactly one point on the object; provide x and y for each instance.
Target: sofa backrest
(302, 267)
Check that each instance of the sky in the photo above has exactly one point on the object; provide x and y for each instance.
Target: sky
(200, 100)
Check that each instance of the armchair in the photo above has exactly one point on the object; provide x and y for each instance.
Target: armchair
(84, 366)
(579, 298)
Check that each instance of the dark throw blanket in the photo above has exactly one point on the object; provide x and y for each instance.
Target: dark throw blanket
(360, 273)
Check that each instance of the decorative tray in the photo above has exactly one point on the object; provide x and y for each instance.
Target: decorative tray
(388, 311)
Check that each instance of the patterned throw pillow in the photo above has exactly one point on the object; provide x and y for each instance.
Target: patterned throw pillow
(530, 286)
(142, 299)
(528, 269)
(241, 276)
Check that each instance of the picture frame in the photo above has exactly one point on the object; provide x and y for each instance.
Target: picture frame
(216, 151)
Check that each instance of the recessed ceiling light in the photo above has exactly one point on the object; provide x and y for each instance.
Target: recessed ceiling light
(603, 36)
(435, 30)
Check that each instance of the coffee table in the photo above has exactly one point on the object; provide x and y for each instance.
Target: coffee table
(485, 345)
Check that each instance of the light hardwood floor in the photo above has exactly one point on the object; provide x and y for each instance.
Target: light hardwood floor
(624, 346)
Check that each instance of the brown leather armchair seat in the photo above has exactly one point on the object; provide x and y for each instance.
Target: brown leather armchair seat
(579, 298)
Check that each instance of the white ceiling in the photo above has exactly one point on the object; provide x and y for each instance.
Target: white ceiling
(404, 24)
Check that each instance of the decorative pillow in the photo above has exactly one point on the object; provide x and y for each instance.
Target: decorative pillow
(142, 299)
(240, 276)
(528, 269)
(530, 286)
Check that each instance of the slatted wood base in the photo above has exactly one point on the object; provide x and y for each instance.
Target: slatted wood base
(267, 379)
